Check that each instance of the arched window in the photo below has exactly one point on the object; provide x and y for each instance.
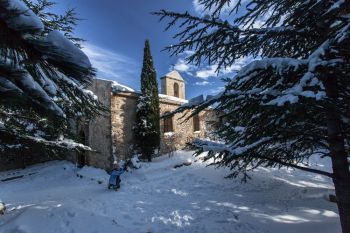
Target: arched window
(168, 124)
(176, 90)
(196, 123)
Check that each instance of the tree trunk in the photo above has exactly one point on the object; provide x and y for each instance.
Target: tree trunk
(340, 162)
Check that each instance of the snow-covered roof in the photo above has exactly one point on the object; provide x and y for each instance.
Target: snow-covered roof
(172, 98)
(174, 75)
(116, 87)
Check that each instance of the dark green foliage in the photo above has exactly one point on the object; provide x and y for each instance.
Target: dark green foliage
(281, 97)
(147, 129)
(291, 104)
(41, 87)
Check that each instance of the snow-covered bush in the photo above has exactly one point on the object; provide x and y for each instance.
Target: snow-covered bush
(2, 208)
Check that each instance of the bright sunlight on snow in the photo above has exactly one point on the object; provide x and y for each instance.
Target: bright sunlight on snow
(58, 197)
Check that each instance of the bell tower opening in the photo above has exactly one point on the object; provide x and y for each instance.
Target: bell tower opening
(176, 90)
(172, 84)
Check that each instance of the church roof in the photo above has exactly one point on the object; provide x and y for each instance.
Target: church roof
(174, 75)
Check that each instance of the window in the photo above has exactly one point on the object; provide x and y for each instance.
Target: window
(176, 90)
(168, 124)
(196, 123)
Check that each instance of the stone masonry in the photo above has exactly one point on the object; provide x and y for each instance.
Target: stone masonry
(111, 136)
(123, 110)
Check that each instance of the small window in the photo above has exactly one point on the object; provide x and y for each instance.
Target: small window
(176, 90)
(196, 123)
(168, 125)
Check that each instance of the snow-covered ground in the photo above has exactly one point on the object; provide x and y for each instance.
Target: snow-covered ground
(158, 198)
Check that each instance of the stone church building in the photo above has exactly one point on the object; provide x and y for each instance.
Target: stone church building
(111, 136)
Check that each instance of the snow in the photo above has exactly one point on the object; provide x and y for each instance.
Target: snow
(278, 63)
(135, 162)
(280, 101)
(90, 93)
(117, 87)
(316, 58)
(172, 98)
(290, 92)
(48, 84)
(66, 48)
(343, 33)
(168, 134)
(336, 4)
(159, 198)
(61, 142)
(26, 19)
(7, 86)
(2, 208)
(35, 90)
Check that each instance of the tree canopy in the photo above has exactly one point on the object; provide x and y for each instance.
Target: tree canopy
(292, 101)
(43, 76)
(147, 129)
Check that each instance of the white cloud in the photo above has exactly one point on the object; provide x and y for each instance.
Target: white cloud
(209, 71)
(200, 9)
(110, 64)
(217, 90)
(239, 63)
(182, 66)
(203, 83)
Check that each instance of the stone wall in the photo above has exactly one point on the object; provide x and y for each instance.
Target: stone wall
(23, 159)
(99, 130)
(114, 130)
(95, 133)
(183, 130)
(123, 110)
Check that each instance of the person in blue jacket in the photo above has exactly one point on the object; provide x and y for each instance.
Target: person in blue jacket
(114, 179)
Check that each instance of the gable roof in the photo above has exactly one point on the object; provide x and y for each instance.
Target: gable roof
(174, 75)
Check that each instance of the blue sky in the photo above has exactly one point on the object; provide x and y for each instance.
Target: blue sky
(116, 30)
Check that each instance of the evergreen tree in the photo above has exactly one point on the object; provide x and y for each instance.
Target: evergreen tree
(43, 76)
(147, 129)
(291, 104)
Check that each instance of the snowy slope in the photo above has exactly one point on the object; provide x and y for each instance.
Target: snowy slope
(158, 198)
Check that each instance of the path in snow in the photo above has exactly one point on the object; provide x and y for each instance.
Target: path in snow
(159, 198)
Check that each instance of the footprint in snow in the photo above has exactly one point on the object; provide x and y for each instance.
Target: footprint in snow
(70, 214)
(137, 223)
(126, 216)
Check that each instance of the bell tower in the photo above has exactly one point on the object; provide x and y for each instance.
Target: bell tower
(173, 85)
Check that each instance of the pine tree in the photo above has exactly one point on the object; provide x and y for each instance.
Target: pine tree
(43, 76)
(147, 129)
(291, 104)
